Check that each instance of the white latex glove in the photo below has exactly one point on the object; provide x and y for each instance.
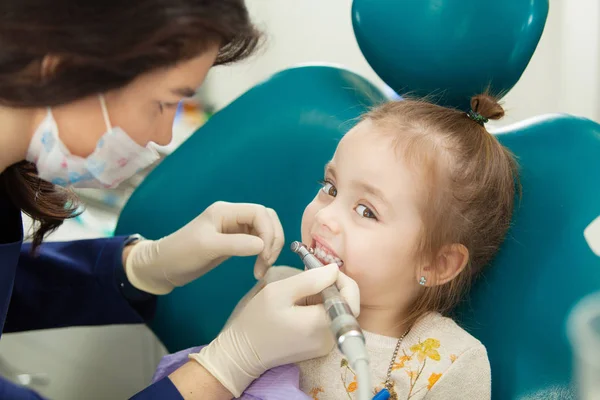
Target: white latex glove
(274, 329)
(221, 231)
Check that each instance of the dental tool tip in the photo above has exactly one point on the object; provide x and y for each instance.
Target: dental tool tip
(296, 246)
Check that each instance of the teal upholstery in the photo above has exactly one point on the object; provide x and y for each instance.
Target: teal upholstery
(519, 308)
(452, 48)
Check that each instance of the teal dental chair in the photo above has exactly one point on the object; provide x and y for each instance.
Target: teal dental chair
(270, 146)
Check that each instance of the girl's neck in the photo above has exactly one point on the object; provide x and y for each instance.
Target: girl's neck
(382, 321)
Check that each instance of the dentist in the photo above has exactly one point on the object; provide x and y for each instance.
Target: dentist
(84, 88)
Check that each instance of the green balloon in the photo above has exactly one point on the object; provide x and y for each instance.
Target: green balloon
(452, 49)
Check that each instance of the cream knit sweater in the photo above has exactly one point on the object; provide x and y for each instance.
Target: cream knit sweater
(437, 360)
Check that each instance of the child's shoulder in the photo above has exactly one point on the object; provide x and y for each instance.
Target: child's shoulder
(446, 332)
(443, 361)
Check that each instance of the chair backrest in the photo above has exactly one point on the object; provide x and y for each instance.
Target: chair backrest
(519, 308)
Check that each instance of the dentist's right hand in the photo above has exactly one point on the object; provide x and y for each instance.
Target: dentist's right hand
(275, 329)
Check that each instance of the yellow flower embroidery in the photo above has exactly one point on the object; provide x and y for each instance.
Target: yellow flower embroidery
(414, 364)
(427, 349)
(433, 378)
(401, 362)
(453, 357)
(412, 374)
(352, 387)
(314, 392)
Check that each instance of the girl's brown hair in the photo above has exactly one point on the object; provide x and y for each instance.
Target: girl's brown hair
(469, 180)
(101, 45)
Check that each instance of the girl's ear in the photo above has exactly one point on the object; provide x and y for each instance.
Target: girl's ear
(450, 262)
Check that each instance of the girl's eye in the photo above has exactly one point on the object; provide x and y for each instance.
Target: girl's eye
(161, 107)
(328, 188)
(364, 211)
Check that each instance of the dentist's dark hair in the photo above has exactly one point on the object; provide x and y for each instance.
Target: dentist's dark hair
(99, 46)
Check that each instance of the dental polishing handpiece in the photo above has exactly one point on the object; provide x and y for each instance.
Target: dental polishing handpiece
(343, 323)
(345, 328)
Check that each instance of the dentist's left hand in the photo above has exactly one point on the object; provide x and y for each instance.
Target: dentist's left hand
(223, 230)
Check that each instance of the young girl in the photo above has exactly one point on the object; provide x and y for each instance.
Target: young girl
(414, 204)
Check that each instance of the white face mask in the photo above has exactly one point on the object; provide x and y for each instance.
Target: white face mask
(116, 158)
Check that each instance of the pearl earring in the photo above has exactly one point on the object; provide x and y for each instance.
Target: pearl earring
(422, 281)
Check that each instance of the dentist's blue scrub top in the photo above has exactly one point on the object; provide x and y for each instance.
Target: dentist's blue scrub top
(67, 284)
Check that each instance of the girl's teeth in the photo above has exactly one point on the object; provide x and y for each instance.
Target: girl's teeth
(326, 257)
